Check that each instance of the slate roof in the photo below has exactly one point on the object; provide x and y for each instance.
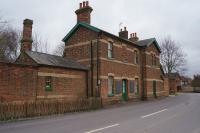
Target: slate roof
(141, 43)
(148, 42)
(145, 42)
(55, 61)
(174, 75)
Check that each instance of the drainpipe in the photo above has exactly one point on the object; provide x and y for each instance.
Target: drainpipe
(36, 86)
(87, 84)
(143, 60)
(92, 66)
(98, 68)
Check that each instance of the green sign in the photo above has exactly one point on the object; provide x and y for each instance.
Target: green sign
(48, 88)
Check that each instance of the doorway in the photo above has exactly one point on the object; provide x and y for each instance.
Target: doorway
(154, 89)
(124, 90)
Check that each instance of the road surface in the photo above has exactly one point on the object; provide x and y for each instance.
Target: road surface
(175, 114)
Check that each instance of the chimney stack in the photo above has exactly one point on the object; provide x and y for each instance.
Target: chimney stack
(84, 12)
(26, 42)
(133, 37)
(123, 33)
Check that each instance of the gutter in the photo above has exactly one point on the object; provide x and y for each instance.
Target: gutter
(92, 66)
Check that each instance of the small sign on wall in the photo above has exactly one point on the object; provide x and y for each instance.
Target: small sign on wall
(48, 85)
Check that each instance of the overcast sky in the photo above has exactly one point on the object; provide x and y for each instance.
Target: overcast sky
(149, 18)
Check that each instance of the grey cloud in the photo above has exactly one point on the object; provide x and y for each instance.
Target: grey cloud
(149, 18)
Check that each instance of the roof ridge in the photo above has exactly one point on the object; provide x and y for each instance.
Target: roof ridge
(45, 53)
(146, 39)
(54, 60)
(66, 58)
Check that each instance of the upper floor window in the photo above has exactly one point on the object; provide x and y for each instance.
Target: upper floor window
(136, 57)
(110, 50)
(153, 59)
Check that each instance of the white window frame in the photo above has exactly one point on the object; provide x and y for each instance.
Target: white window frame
(110, 85)
(136, 57)
(136, 86)
(110, 50)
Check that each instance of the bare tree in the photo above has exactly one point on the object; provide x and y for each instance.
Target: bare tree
(172, 57)
(39, 44)
(59, 49)
(9, 42)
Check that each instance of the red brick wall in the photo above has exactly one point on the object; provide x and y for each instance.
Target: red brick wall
(153, 72)
(79, 47)
(25, 59)
(121, 66)
(66, 83)
(166, 86)
(173, 83)
(19, 82)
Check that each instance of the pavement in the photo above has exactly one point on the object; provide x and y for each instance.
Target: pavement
(175, 114)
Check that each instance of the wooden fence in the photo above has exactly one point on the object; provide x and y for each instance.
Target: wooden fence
(17, 110)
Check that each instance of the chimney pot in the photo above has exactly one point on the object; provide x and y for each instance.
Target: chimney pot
(134, 37)
(83, 3)
(84, 13)
(123, 34)
(87, 3)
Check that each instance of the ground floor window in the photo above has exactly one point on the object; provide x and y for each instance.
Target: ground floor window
(110, 86)
(132, 87)
(136, 86)
(154, 88)
(118, 86)
(48, 84)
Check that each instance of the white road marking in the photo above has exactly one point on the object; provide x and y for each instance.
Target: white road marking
(103, 128)
(154, 113)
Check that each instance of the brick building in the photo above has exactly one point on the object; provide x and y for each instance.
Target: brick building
(174, 83)
(95, 63)
(121, 68)
(38, 76)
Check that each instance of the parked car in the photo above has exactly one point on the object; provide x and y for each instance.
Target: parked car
(197, 89)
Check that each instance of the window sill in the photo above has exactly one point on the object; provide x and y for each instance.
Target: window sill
(110, 95)
(110, 58)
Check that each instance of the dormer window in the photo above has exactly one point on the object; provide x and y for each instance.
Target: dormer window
(110, 50)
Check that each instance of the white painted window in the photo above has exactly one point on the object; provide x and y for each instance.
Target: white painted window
(110, 50)
(136, 86)
(153, 59)
(136, 57)
(110, 85)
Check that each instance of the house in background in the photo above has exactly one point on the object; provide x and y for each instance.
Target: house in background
(95, 63)
(186, 81)
(174, 83)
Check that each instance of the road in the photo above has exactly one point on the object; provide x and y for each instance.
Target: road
(175, 114)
